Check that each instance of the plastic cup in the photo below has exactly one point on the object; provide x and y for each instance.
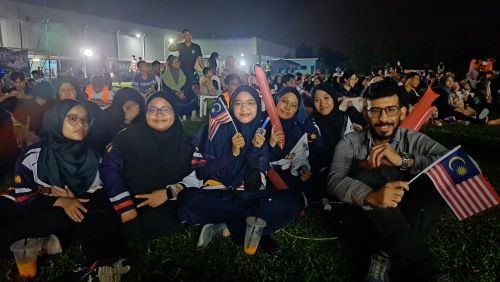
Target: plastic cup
(255, 226)
(26, 253)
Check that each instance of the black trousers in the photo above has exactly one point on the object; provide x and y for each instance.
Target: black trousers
(152, 223)
(400, 231)
(98, 232)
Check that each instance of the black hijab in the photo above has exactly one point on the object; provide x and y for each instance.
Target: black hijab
(154, 159)
(63, 161)
(332, 125)
(114, 113)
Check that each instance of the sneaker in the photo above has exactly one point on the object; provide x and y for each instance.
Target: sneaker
(378, 271)
(483, 114)
(210, 232)
(50, 245)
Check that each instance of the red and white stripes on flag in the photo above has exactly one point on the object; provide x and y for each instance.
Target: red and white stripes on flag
(459, 180)
(467, 198)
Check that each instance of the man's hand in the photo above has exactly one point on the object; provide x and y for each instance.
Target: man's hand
(388, 196)
(304, 175)
(259, 138)
(384, 154)
(153, 199)
(237, 142)
(72, 207)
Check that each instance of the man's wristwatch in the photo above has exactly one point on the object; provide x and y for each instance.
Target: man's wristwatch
(405, 161)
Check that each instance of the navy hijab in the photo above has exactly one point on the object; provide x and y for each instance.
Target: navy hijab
(221, 143)
(291, 127)
(62, 161)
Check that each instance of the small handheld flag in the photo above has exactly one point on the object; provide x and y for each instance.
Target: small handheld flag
(219, 115)
(460, 182)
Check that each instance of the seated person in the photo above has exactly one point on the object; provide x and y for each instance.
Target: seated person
(58, 190)
(175, 80)
(98, 92)
(383, 216)
(207, 87)
(143, 178)
(325, 127)
(290, 163)
(127, 108)
(231, 161)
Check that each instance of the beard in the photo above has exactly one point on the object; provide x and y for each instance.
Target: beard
(383, 131)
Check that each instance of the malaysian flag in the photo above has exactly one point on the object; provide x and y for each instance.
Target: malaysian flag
(460, 182)
(219, 115)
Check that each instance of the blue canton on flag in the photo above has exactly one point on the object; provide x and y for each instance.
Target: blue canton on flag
(219, 115)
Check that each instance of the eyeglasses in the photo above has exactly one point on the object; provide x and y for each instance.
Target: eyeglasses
(391, 111)
(165, 110)
(176, 61)
(74, 120)
(287, 103)
(248, 104)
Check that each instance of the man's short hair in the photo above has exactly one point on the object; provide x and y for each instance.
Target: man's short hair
(141, 63)
(155, 63)
(230, 77)
(286, 78)
(385, 88)
(17, 75)
(35, 72)
(206, 70)
(186, 30)
(412, 75)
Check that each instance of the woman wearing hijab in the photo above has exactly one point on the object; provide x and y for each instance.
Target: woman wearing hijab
(291, 163)
(231, 164)
(127, 108)
(325, 127)
(58, 190)
(67, 87)
(185, 99)
(143, 178)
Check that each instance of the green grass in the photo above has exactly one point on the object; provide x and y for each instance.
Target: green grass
(468, 250)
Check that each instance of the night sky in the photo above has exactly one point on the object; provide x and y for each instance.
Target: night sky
(336, 24)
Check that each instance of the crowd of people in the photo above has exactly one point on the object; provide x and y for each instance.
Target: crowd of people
(108, 168)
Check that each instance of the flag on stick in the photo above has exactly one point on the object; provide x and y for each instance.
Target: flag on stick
(218, 115)
(459, 180)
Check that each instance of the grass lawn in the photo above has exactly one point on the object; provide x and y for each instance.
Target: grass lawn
(468, 250)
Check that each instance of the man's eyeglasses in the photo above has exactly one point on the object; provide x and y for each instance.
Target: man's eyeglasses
(248, 104)
(73, 120)
(391, 111)
(287, 103)
(163, 110)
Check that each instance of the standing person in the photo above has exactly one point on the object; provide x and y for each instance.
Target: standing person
(144, 81)
(142, 179)
(133, 65)
(229, 68)
(231, 171)
(386, 218)
(19, 80)
(189, 55)
(58, 190)
(98, 92)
